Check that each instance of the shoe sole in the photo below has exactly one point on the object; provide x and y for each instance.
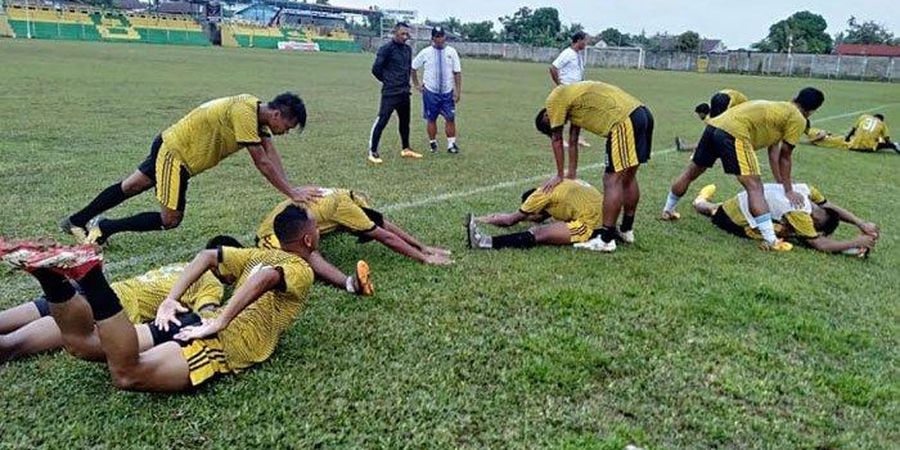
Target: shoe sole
(470, 220)
(363, 274)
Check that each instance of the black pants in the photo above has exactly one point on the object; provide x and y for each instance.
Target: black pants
(399, 103)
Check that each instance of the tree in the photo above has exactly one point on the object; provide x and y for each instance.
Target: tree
(614, 37)
(479, 31)
(865, 33)
(802, 32)
(539, 27)
(565, 35)
(688, 42)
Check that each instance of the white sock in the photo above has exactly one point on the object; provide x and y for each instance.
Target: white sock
(765, 227)
(671, 201)
(350, 285)
(433, 141)
(451, 141)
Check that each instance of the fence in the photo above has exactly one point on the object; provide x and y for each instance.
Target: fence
(775, 64)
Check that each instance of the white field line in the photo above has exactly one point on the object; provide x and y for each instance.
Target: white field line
(182, 254)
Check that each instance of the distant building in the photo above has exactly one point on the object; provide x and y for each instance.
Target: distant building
(667, 44)
(868, 50)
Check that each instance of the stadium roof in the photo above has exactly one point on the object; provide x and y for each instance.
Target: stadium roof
(868, 50)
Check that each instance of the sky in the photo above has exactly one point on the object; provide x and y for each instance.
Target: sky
(738, 24)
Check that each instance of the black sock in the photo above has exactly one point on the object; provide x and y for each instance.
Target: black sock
(103, 300)
(109, 198)
(515, 240)
(627, 223)
(607, 234)
(57, 288)
(148, 221)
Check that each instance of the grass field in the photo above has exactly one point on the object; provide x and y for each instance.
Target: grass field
(690, 338)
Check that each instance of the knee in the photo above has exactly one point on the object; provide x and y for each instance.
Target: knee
(136, 183)
(170, 221)
(83, 351)
(125, 378)
(7, 349)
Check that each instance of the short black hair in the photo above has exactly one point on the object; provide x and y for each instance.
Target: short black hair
(223, 241)
(527, 194)
(289, 223)
(810, 98)
(702, 108)
(578, 35)
(542, 125)
(291, 105)
(399, 25)
(880, 117)
(831, 223)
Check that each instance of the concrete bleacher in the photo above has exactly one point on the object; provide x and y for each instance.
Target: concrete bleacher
(168, 29)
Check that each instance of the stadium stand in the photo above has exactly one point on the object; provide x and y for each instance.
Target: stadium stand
(332, 40)
(243, 34)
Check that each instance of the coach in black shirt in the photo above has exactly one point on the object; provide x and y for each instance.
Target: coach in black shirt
(391, 68)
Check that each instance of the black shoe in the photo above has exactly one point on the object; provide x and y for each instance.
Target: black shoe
(454, 149)
(434, 146)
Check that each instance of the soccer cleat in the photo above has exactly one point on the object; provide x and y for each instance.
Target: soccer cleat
(453, 149)
(627, 236)
(679, 146)
(670, 215)
(476, 240)
(897, 147)
(79, 233)
(374, 157)
(596, 244)
(71, 262)
(777, 246)
(364, 279)
(859, 252)
(706, 194)
(434, 146)
(408, 153)
(17, 253)
(94, 233)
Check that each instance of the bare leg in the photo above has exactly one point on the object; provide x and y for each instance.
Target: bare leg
(17, 317)
(76, 325)
(38, 336)
(631, 191)
(683, 182)
(431, 127)
(613, 197)
(706, 208)
(756, 198)
(450, 128)
(553, 234)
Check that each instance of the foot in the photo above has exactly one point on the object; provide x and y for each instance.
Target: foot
(777, 246)
(71, 262)
(859, 252)
(364, 279)
(453, 149)
(679, 146)
(897, 147)
(706, 194)
(78, 232)
(598, 245)
(670, 215)
(408, 153)
(374, 158)
(476, 240)
(433, 146)
(94, 233)
(627, 236)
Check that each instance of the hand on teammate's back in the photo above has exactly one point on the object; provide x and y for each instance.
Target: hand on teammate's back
(552, 183)
(166, 312)
(797, 199)
(306, 194)
(206, 328)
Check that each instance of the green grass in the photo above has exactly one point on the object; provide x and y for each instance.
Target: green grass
(691, 338)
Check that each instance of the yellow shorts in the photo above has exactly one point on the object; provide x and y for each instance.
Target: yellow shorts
(629, 142)
(579, 231)
(171, 179)
(205, 359)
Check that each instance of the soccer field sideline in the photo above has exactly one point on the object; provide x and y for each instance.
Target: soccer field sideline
(141, 259)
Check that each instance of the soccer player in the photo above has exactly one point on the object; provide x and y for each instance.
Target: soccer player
(720, 101)
(822, 138)
(271, 289)
(627, 124)
(811, 224)
(870, 134)
(441, 88)
(391, 68)
(575, 205)
(733, 138)
(197, 142)
(345, 210)
(28, 329)
(568, 67)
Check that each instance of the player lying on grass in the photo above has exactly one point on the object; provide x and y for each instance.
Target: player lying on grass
(822, 138)
(627, 124)
(811, 224)
(28, 328)
(576, 207)
(271, 289)
(719, 103)
(734, 136)
(345, 210)
(199, 141)
(869, 134)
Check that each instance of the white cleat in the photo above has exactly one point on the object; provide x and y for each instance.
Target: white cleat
(596, 244)
(627, 236)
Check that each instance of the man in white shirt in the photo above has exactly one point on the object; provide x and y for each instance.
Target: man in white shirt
(568, 67)
(441, 87)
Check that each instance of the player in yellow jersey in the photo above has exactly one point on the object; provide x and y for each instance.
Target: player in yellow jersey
(627, 124)
(812, 224)
(28, 329)
(719, 103)
(345, 210)
(870, 134)
(199, 141)
(575, 206)
(822, 138)
(734, 136)
(271, 289)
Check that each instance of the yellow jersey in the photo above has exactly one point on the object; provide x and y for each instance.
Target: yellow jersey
(336, 209)
(252, 335)
(215, 130)
(142, 295)
(800, 222)
(570, 200)
(736, 97)
(591, 105)
(762, 123)
(829, 141)
(868, 132)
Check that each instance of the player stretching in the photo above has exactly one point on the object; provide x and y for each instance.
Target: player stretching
(719, 103)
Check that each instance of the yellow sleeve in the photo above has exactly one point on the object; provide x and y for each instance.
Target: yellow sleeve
(802, 224)
(795, 128)
(536, 202)
(232, 261)
(557, 108)
(352, 217)
(815, 196)
(204, 292)
(298, 278)
(885, 133)
(245, 123)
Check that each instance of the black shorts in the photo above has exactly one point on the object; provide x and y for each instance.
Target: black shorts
(630, 141)
(721, 220)
(393, 103)
(738, 157)
(718, 104)
(170, 177)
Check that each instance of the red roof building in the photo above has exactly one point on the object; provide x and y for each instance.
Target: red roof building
(868, 50)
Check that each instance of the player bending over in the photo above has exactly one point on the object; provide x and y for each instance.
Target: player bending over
(811, 224)
(719, 103)
(345, 210)
(576, 207)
